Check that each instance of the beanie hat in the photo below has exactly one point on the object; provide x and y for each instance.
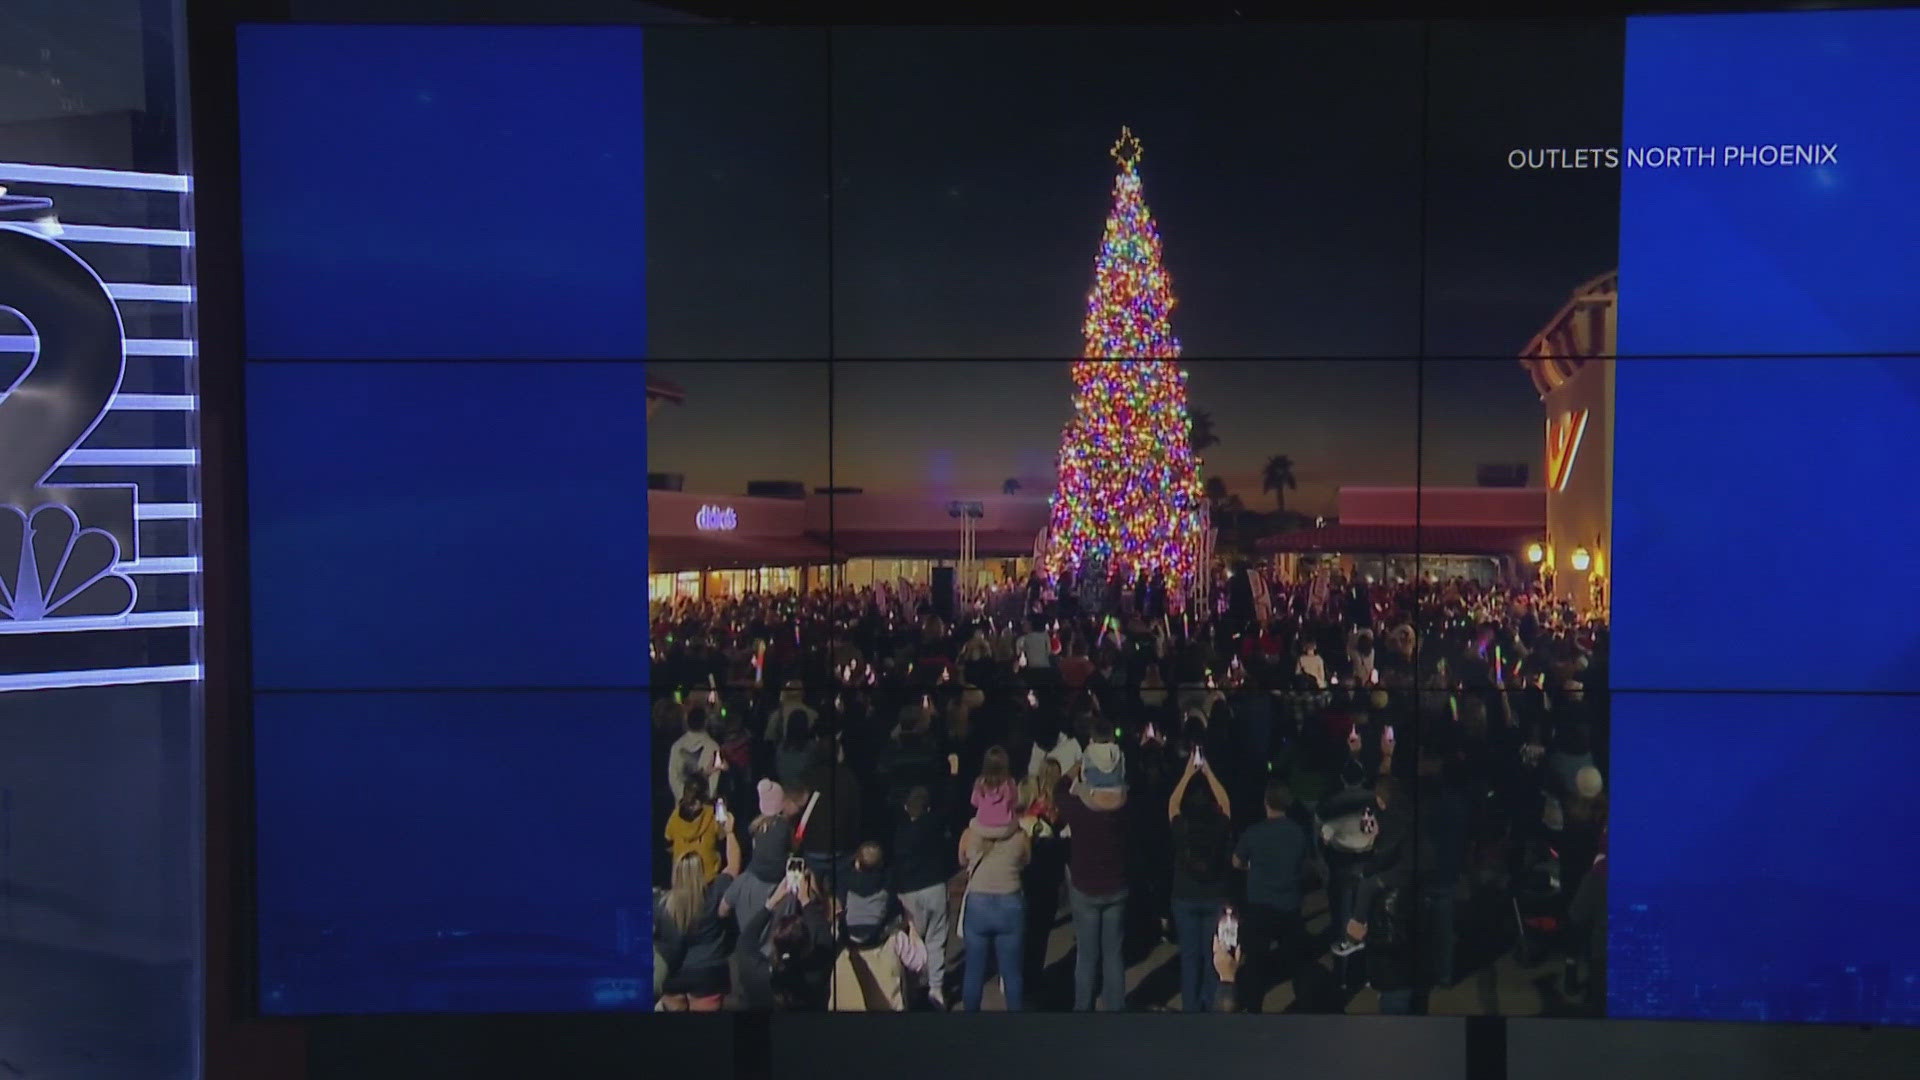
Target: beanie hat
(1105, 766)
(771, 846)
(993, 806)
(772, 797)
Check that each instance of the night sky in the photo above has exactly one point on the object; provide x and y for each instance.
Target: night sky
(1323, 191)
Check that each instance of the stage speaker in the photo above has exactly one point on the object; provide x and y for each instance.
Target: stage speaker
(945, 592)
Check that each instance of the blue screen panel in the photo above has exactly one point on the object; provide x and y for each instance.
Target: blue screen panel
(1736, 261)
(459, 192)
(1759, 867)
(448, 524)
(461, 852)
(1771, 496)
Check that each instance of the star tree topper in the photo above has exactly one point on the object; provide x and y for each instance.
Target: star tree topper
(1127, 150)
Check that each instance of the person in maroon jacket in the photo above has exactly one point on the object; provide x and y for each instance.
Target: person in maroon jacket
(1092, 801)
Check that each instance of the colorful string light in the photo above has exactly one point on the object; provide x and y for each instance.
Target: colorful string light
(1129, 497)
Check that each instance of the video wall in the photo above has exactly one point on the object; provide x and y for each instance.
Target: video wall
(992, 520)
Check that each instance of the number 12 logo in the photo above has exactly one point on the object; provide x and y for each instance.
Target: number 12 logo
(58, 543)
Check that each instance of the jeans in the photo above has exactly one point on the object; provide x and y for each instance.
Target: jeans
(996, 926)
(1194, 922)
(1099, 923)
(928, 909)
(1396, 1002)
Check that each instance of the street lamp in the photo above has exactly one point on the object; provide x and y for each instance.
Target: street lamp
(1582, 558)
(967, 513)
(1536, 552)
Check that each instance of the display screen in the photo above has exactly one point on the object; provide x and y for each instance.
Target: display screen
(1356, 517)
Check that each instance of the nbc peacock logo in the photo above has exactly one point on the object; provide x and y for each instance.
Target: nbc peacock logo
(52, 567)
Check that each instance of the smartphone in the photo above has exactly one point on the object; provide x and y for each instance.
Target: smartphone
(1228, 931)
(796, 872)
(926, 701)
(1374, 677)
(720, 811)
(1033, 700)
(1387, 735)
(716, 759)
(1199, 757)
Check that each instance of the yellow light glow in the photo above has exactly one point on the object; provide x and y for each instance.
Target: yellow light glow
(1536, 553)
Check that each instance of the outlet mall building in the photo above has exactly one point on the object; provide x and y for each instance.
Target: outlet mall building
(1562, 531)
(710, 545)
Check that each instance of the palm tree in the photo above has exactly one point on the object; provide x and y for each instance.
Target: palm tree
(1216, 491)
(1010, 486)
(1226, 507)
(1200, 434)
(1278, 478)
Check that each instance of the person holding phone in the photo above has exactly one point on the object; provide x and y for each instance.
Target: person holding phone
(1201, 817)
(691, 933)
(694, 828)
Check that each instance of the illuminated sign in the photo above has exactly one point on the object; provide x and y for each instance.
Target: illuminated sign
(83, 554)
(716, 519)
(1563, 445)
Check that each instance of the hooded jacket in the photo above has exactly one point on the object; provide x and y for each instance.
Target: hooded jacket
(1097, 856)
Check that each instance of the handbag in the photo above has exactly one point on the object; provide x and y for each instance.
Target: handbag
(960, 921)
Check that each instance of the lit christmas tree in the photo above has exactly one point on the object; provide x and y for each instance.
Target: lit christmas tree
(1129, 498)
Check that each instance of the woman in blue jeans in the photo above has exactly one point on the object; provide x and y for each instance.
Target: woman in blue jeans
(1201, 818)
(994, 915)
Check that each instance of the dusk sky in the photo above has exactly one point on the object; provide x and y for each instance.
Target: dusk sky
(1333, 199)
(967, 425)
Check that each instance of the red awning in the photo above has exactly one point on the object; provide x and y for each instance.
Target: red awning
(928, 544)
(726, 551)
(1406, 539)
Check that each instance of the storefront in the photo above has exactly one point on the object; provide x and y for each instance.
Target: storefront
(709, 546)
(706, 546)
(1394, 534)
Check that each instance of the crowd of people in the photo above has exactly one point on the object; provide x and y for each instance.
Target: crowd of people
(873, 801)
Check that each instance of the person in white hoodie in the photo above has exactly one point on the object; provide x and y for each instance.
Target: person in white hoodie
(1311, 663)
(693, 754)
(793, 696)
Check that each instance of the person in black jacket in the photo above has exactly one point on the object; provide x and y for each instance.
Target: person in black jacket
(800, 932)
(912, 759)
(922, 865)
(1388, 865)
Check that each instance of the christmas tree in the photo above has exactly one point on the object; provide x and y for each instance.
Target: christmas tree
(1129, 499)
